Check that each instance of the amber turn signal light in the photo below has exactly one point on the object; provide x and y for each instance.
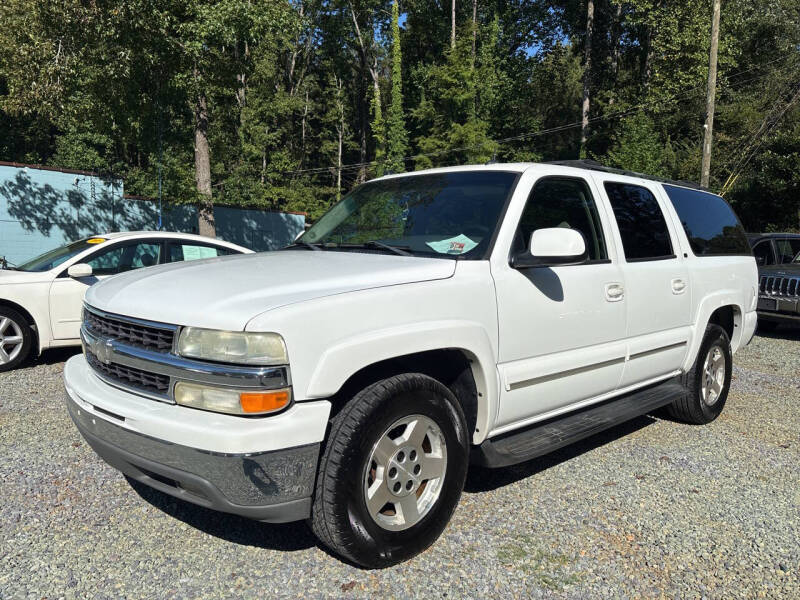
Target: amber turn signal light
(261, 402)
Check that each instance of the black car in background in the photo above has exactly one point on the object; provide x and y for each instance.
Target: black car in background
(778, 259)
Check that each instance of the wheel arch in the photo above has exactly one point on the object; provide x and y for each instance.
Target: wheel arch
(466, 368)
(722, 309)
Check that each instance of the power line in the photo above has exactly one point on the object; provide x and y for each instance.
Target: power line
(678, 96)
(745, 160)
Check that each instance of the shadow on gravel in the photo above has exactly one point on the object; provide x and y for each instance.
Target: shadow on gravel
(782, 332)
(51, 357)
(297, 536)
(238, 530)
(481, 479)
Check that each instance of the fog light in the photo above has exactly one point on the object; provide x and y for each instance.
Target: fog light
(230, 400)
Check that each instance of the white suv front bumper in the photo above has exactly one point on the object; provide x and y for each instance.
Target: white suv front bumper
(263, 468)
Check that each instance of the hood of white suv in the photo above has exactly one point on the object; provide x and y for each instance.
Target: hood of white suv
(225, 293)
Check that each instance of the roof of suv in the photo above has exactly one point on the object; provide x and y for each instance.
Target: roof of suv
(764, 236)
(585, 165)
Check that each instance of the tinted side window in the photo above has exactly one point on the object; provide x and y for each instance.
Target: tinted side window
(788, 250)
(641, 223)
(763, 253)
(558, 202)
(709, 222)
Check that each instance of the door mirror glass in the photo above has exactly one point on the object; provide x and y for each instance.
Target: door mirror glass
(79, 270)
(553, 246)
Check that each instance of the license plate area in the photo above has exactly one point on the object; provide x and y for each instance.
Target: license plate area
(767, 304)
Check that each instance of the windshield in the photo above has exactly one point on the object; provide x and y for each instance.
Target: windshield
(53, 258)
(445, 214)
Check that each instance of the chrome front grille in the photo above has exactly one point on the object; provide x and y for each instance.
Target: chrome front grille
(139, 335)
(777, 285)
(137, 355)
(129, 376)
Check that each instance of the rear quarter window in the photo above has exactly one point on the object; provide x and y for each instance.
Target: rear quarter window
(710, 224)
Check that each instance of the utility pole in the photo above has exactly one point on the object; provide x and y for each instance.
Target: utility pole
(711, 92)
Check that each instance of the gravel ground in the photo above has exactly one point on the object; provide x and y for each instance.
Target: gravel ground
(652, 508)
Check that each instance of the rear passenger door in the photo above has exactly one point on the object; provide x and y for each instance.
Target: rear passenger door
(656, 280)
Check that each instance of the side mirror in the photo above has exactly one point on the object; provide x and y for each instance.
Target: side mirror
(761, 260)
(552, 247)
(79, 270)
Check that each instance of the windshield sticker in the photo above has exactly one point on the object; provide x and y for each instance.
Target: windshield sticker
(198, 252)
(454, 245)
(95, 240)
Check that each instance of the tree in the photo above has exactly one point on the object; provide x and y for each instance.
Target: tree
(292, 104)
(638, 147)
(397, 138)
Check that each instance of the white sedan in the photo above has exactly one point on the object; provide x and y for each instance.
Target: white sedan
(41, 300)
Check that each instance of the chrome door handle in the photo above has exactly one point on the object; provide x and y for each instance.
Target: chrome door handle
(678, 286)
(614, 292)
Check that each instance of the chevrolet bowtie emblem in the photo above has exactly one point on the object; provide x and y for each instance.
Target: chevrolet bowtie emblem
(103, 349)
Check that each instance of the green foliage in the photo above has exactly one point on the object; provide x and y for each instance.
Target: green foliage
(299, 90)
(461, 96)
(397, 142)
(637, 147)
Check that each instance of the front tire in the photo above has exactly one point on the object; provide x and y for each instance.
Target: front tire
(16, 339)
(708, 382)
(392, 471)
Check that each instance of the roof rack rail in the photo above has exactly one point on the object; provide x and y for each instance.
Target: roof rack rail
(597, 166)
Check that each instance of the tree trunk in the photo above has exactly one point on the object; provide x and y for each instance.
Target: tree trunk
(616, 33)
(587, 76)
(711, 92)
(453, 25)
(202, 167)
(474, 28)
(363, 118)
(339, 163)
(303, 132)
(647, 66)
(375, 75)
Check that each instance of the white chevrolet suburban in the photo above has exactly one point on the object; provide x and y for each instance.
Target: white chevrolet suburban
(485, 314)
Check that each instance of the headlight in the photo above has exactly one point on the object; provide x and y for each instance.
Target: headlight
(240, 347)
(232, 401)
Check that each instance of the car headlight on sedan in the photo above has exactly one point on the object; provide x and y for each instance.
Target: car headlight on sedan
(239, 347)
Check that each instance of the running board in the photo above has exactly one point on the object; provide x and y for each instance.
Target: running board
(542, 438)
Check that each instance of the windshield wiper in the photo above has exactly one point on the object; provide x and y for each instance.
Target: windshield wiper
(306, 245)
(401, 250)
(6, 265)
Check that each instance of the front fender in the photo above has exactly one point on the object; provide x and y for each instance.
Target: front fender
(345, 358)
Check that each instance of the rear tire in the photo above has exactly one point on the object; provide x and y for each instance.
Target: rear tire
(16, 338)
(402, 440)
(708, 381)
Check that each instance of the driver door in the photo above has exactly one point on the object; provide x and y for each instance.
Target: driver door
(66, 293)
(562, 328)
